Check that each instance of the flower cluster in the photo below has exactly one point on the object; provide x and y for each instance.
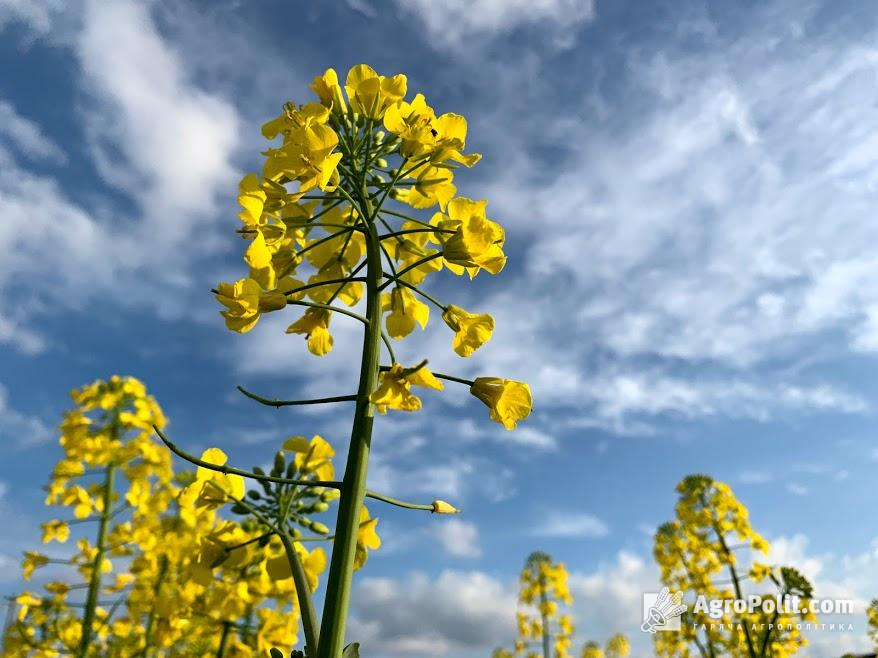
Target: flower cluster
(616, 647)
(543, 589)
(163, 574)
(710, 548)
(872, 621)
(313, 220)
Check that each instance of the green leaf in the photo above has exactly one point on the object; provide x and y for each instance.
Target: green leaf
(351, 651)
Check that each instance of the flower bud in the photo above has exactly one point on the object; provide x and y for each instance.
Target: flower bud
(330, 495)
(381, 162)
(319, 528)
(379, 137)
(441, 507)
(280, 463)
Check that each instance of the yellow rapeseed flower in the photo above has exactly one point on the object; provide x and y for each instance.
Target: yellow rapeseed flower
(472, 330)
(508, 401)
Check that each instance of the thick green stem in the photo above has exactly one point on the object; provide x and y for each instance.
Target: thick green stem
(94, 585)
(338, 588)
(224, 639)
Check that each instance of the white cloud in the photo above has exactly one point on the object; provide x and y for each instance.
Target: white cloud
(458, 538)
(572, 524)
(456, 24)
(457, 611)
(27, 135)
(707, 244)
(608, 599)
(20, 429)
(158, 137)
(36, 14)
(755, 477)
(797, 489)
(153, 133)
(455, 479)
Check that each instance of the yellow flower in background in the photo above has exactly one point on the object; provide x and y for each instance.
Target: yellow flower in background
(618, 646)
(592, 650)
(314, 325)
(212, 487)
(314, 564)
(472, 330)
(314, 456)
(508, 401)
(55, 530)
(394, 388)
(32, 561)
(406, 311)
(367, 537)
(245, 302)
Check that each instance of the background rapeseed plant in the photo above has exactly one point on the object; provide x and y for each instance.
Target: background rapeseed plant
(711, 549)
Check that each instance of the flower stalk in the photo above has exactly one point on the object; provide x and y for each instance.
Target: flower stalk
(353, 490)
(94, 585)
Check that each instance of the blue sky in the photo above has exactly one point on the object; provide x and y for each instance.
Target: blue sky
(688, 190)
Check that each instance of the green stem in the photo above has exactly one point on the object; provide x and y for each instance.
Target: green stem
(327, 282)
(338, 588)
(295, 403)
(312, 630)
(94, 586)
(303, 592)
(432, 229)
(417, 263)
(150, 622)
(736, 583)
(224, 638)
